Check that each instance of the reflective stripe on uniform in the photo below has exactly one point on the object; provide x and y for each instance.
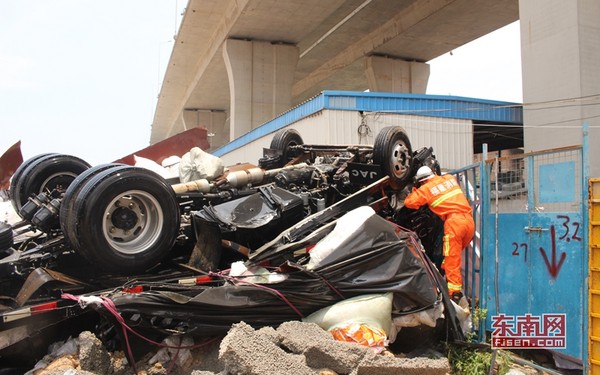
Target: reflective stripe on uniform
(446, 242)
(446, 196)
(454, 287)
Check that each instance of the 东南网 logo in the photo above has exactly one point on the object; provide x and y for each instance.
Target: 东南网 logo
(548, 331)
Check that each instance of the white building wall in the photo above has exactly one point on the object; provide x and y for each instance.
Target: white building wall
(451, 139)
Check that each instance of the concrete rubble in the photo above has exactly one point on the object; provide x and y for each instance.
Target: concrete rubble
(292, 348)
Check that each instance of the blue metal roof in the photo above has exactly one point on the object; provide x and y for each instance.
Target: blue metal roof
(478, 110)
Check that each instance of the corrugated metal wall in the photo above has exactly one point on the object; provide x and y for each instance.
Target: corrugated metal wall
(451, 139)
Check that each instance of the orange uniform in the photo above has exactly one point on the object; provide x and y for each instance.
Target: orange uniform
(445, 199)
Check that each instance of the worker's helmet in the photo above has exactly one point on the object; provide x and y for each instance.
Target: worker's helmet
(423, 174)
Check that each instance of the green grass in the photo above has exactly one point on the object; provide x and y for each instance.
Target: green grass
(476, 361)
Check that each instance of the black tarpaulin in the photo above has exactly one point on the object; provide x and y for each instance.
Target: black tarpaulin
(375, 258)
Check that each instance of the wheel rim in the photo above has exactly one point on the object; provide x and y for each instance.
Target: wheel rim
(400, 159)
(132, 222)
(62, 179)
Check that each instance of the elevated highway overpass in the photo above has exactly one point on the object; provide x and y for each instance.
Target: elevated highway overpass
(238, 63)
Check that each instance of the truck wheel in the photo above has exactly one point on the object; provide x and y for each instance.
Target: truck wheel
(128, 219)
(282, 141)
(66, 218)
(16, 177)
(46, 173)
(393, 152)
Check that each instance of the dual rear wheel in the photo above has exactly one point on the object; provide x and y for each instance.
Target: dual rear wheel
(125, 219)
(44, 173)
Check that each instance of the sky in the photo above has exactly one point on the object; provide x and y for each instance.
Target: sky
(486, 68)
(82, 77)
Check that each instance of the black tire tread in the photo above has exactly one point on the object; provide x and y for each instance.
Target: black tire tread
(282, 140)
(95, 193)
(382, 152)
(69, 198)
(31, 180)
(16, 177)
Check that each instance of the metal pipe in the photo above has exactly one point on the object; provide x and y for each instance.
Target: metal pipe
(234, 179)
(202, 186)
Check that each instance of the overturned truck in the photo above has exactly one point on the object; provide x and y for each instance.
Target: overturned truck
(161, 251)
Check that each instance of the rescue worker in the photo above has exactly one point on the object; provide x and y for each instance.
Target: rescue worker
(445, 198)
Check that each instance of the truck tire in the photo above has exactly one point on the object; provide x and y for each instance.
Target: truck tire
(66, 217)
(393, 152)
(16, 177)
(126, 219)
(45, 174)
(282, 141)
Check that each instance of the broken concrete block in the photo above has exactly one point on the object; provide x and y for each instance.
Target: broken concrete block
(270, 334)
(244, 351)
(93, 356)
(319, 347)
(341, 357)
(298, 336)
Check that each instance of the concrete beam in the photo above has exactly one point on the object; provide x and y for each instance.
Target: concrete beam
(407, 18)
(386, 74)
(260, 76)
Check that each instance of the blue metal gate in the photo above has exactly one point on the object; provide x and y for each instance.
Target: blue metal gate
(534, 258)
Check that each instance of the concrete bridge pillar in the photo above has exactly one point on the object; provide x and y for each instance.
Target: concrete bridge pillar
(561, 74)
(260, 81)
(213, 120)
(387, 74)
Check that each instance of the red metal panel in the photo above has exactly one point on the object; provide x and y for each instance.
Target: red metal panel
(178, 145)
(9, 162)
